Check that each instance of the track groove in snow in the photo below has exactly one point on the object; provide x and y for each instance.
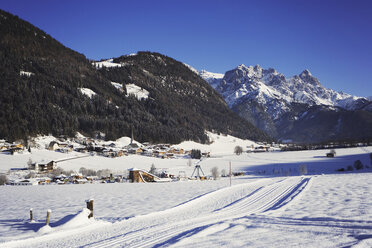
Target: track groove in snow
(202, 216)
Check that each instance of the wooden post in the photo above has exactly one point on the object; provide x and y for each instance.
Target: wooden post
(31, 215)
(48, 217)
(90, 207)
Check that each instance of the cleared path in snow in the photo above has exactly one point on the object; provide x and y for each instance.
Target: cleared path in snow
(205, 214)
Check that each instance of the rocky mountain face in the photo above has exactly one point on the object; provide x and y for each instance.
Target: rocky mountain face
(50, 89)
(297, 108)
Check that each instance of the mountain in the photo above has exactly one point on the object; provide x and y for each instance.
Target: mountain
(49, 88)
(281, 106)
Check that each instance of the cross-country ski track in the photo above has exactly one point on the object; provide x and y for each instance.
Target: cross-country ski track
(205, 214)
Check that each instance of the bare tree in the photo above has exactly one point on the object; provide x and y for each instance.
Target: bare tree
(189, 162)
(29, 163)
(152, 169)
(3, 179)
(103, 173)
(215, 173)
(303, 169)
(238, 150)
(358, 165)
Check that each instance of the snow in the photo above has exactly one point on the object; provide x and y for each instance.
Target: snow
(207, 75)
(26, 73)
(191, 68)
(88, 92)
(322, 209)
(117, 85)
(137, 91)
(106, 63)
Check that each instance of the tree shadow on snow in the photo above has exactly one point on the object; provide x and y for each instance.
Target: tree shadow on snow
(22, 225)
(315, 167)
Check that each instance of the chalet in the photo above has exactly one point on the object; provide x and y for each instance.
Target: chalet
(81, 149)
(49, 167)
(121, 153)
(179, 151)
(25, 182)
(44, 180)
(109, 153)
(135, 150)
(60, 179)
(206, 154)
(76, 176)
(53, 146)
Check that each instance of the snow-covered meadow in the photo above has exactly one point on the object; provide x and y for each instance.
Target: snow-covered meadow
(273, 206)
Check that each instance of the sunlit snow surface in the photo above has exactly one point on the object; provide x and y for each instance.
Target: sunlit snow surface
(324, 209)
(137, 91)
(106, 63)
(88, 92)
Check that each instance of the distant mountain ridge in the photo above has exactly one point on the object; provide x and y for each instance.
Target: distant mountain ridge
(277, 104)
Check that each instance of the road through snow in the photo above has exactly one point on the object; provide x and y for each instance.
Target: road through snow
(204, 215)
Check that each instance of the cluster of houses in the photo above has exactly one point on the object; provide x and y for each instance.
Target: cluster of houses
(112, 150)
(11, 148)
(74, 178)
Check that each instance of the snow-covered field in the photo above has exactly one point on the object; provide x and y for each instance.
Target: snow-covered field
(273, 206)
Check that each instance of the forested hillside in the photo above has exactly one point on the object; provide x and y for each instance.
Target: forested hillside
(41, 82)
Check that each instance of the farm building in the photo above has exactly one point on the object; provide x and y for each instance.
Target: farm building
(142, 176)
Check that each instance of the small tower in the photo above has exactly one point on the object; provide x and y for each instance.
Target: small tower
(198, 169)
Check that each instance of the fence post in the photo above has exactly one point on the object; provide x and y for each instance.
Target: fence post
(90, 207)
(31, 215)
(48, 217)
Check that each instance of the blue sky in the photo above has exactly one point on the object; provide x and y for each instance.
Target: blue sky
(331, 38)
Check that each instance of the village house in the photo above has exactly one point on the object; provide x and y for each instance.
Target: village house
(53, 145)
(49, 167)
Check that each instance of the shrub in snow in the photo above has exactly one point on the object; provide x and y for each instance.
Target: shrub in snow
(238, 150)
(303, 169)
(223, 173)
(3, 179)
(152, 169)
(215, 173)
(189, 162)
(350, 168)
(103, 173)
(87, 172)
(195, 153)
(341, 169)
(332, 151)
(358, 165)
(29, 163)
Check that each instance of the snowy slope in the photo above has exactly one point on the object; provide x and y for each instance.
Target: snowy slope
(320, 211)
(106, 63)
(212, 78)
(137, 91)
(88, 92)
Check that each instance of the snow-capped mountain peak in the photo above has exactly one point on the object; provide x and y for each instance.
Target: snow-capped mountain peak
(254, 82)
(305, 73)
